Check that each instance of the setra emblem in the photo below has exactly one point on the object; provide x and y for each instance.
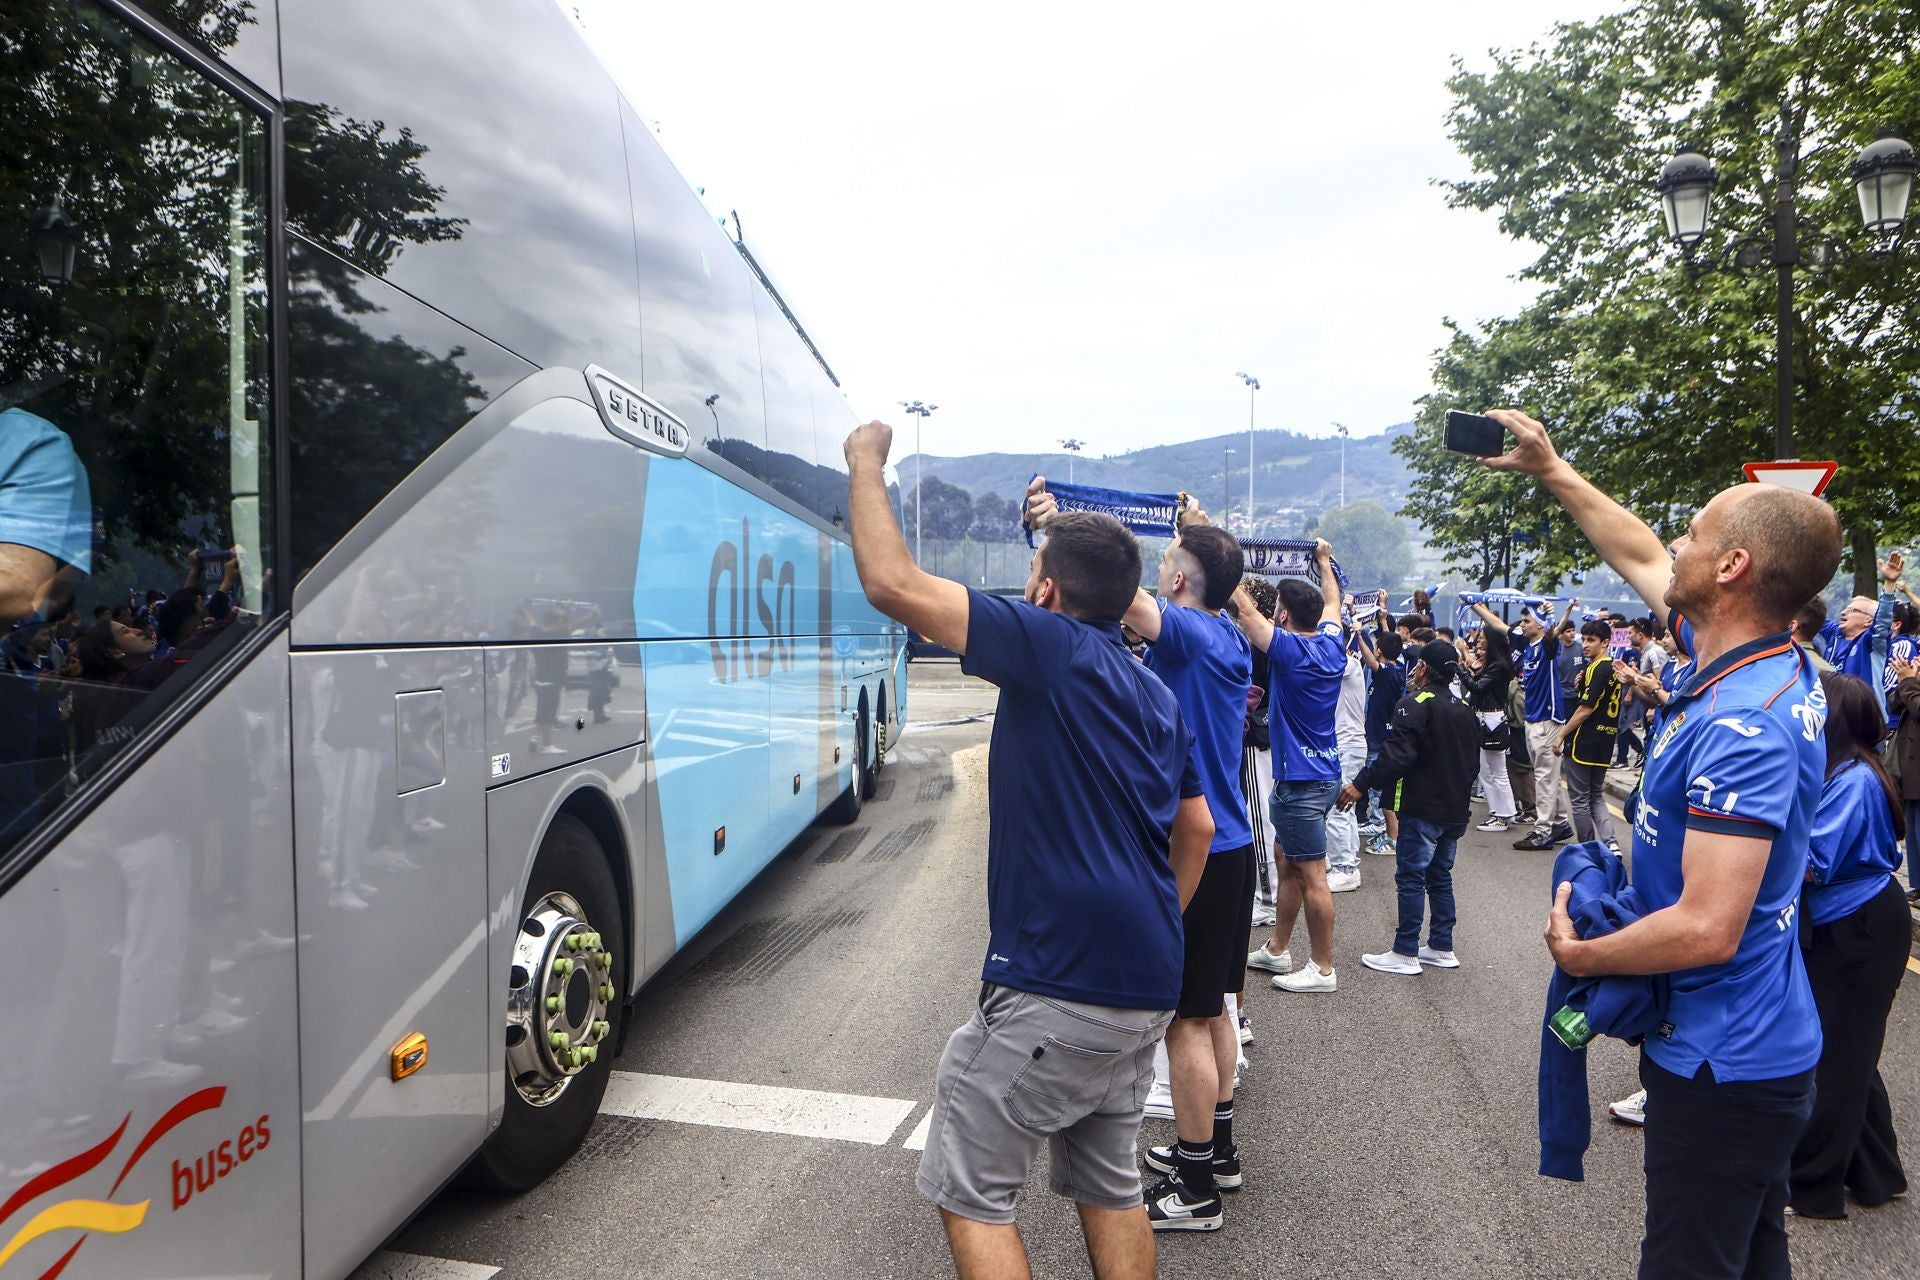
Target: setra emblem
(634, 418)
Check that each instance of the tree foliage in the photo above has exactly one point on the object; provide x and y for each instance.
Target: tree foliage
(1658, 381)
(948, 509)
(1370, 543)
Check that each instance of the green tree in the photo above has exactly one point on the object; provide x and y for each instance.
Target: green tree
(1657, 380)
(1370, 543)
(995, 519)
(949, 510)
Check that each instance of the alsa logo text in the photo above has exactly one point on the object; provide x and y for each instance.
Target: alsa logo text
(107, 1215)
(740, 594)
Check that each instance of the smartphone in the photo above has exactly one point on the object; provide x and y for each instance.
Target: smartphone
(1474, 433)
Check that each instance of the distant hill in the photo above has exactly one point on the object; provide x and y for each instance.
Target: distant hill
(1295, 476)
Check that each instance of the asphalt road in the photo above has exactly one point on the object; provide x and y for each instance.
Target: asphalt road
(1388, 1129)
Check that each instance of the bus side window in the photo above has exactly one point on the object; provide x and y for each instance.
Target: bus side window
(135, 440)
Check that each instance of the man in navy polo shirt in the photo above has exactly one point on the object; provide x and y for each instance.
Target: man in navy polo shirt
(1719, 853)
(1206, 662)
(1098, 833)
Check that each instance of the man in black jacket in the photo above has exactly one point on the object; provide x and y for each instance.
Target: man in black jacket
(1428, 763)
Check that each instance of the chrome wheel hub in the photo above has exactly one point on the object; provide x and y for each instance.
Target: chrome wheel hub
(559, 992)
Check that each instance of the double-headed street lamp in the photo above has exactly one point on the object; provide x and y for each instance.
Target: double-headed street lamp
(1073, 447)
(1253, 385)
(1883, 178)
(921, 413)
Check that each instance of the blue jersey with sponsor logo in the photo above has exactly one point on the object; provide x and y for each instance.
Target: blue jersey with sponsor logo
(1540, 680)
(1088, 763)
(1206, 660)
(1306, 691)
(1739, 750)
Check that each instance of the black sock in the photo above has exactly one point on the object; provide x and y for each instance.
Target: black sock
(1223, 1127)
(1194, 1161)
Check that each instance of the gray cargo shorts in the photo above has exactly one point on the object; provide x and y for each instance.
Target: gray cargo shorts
(1028, 1069)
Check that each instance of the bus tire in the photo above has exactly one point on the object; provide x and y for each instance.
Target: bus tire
(846, 808)
(535, 1140)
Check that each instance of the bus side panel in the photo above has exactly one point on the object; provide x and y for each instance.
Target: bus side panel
(154, 1001)
(390, 856)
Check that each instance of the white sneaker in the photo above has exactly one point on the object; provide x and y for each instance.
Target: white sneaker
(1491, 824)
(1438, 959)
(1261, 958)
(1381, 848)
(1391, 962)
(1262, 917)
(1632, 1109)
(1246, 1030)
(1343, 881)
(1311, 977)
(1371, 829)
(1160, 1100)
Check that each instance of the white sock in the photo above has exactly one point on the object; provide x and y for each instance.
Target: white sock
(1162, 1076)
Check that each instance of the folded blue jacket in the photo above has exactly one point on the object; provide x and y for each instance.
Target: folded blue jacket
(1627, 1008)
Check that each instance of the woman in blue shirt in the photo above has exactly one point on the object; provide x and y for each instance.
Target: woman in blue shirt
(1856, 950)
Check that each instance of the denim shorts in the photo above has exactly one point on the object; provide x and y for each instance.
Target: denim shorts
(1030, 1071)
(1299, 811)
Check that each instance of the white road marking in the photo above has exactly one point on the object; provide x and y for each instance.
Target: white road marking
(917, 1140)
(389, 1265)
(763, 1108)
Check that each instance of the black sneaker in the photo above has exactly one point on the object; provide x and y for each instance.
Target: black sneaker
(1172, 1207)
(1534, 840)
(1562, 832)
(1526, 818)
(1226, 1168)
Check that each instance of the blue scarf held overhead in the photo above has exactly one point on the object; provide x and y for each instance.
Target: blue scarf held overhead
(1627, 1008)
(1149, 513)
(1285, 558)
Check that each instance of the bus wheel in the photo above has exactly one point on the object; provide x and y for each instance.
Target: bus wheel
(564, 1006)
(847, 808)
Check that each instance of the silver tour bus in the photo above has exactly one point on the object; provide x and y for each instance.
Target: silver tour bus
(423, 605)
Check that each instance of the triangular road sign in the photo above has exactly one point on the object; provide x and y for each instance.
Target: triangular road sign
(1807, 477)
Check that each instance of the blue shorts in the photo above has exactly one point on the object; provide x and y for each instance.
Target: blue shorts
(1299, 811)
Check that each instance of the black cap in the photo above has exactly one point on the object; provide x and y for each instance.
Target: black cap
(1441, 658)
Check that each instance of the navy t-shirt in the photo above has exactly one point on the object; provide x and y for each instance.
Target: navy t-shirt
(1306, 690)
(1739, 749)
(1540, 681)
(1206, 660)
(1089, 761)
(1384, 691)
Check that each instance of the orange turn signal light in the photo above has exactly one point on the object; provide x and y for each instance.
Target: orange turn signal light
(409, 1056)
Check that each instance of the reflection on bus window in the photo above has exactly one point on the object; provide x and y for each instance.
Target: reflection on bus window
(133, 394)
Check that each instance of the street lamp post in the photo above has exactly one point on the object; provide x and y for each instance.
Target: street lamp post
(1341, 427)
(1883, 177)
(1073, 447)
(1226, 491)
(921, 413)
(1253, 385)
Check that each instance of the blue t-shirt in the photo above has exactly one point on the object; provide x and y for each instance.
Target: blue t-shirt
(1087, 766)
(1540, 680)
(1384, 691)
(1206, 660)
(1306, 692)
(1739, 749)
(45, 501)
(1904, 648)
(1864, 657)
(1851, 850)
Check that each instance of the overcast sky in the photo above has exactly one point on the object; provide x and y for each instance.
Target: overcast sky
(1080, 220)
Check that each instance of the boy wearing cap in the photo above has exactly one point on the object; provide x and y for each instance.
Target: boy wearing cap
(1427, 764)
